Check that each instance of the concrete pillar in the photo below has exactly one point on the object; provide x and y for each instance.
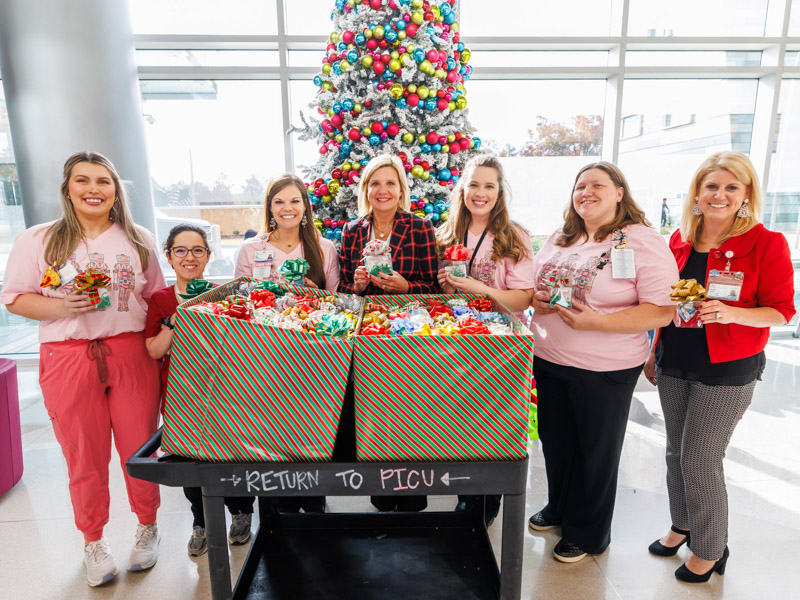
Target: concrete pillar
(70, 79)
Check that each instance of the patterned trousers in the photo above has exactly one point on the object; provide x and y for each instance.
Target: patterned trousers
(700, 420)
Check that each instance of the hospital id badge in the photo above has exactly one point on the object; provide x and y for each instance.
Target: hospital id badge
(724, 285)
(622, 263)
(262, 266)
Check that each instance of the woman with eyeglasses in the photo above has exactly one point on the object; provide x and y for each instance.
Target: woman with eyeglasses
(187, 252)
(288, 232)
(94, 371)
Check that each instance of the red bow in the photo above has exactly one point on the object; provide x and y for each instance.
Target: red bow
(458, 252)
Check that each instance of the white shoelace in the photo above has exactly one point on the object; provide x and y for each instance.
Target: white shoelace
(144, 534)
(99, 550)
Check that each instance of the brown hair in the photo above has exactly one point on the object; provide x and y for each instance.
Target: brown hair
(627, 211)
(309, 236)
(510, 239)
(740, 167)
(64, 235)
(183, 228)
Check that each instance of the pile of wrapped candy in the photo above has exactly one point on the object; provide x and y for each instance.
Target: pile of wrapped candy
(456, 316)
(268, 304)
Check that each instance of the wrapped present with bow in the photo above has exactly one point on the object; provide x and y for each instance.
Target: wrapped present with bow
(456, 260)
(689, 295)
(378, 257)
(93, 283)
(294, 270)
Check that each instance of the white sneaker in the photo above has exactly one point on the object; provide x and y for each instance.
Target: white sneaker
(100, 565)
(144, 553)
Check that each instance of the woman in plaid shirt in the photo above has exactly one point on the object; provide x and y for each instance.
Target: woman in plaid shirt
(384, 201)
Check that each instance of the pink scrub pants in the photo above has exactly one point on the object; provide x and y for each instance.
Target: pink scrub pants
(92, 388)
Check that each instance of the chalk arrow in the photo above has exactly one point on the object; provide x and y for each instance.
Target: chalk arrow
(446, 479)
(233, 479)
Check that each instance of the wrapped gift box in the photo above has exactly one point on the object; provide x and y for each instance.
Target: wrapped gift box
(240, 391)
(443, 397)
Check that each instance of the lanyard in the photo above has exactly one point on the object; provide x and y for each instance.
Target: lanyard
(475, 251)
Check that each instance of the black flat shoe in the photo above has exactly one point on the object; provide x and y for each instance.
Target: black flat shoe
(660, 549)
(684, 574)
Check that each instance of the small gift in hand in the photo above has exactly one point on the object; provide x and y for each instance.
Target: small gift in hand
(689, 295)
(456, 260)
(94, 282)
(294, 270)
(378, 258)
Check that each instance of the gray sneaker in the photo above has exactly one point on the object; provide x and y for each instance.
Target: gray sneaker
(240, 529)
(198, 545)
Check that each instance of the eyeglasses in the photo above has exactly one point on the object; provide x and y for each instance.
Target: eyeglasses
(181, 251)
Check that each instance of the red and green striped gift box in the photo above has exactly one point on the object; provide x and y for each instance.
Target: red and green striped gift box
(448, 397)
(240, 392)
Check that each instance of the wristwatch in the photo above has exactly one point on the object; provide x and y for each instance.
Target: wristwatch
(167, 323)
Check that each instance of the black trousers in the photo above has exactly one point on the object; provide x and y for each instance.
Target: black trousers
(582, 419)
(235, 504)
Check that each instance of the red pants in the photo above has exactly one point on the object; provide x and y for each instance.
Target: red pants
(91, 388)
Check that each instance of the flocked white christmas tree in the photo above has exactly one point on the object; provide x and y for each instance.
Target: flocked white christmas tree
(392, 81)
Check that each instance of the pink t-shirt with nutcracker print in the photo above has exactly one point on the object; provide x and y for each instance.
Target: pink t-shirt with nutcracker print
(655, 273)
(110, 252)
(502, 274)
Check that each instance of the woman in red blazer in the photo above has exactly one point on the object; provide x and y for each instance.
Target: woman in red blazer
(706, 376)
(383, 202)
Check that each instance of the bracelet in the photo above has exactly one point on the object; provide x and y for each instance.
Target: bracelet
(166, 322)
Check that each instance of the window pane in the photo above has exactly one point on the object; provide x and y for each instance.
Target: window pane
(204, 17)
(207, 58)
(556, 127)
(681, 18)
(671, 58)
(794, 19)
(309, 17)
(17, 334)
(536, 58)
(306, 58)
(306, 152)
(212, 147)
(783, 190)
(792, 59)
(536, 18)
(675, 124)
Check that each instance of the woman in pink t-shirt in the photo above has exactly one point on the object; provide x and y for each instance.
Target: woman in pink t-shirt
(289, 233)
(501, 261)
(94, 371)
(602, 281)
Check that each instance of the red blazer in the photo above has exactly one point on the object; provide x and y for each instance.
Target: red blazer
(764, 258)
(413, 245)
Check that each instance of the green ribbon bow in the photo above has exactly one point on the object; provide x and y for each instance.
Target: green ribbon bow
(294, 270)
(196, 287)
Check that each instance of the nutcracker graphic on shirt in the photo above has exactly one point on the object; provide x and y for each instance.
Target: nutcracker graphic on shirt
(124, 281)
(554, 270)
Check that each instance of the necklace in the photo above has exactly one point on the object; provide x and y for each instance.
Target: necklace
(288, 245)
(382, 235)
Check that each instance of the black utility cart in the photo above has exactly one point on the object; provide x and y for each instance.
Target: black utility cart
(356, 556)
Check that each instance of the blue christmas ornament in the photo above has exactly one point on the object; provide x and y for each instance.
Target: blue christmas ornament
(352, 56)
(337, 107)
(477, 141)
(391, 36)
(314, 200)
(388, 74)
(434, 217)
(364, 162)
(317, 80)
(402, 103)
(440, 206)
(430, 103)
(450, 18)
(425, 148)
(348, 104)
(405, 2)
(337, 68)
(461, 45)
(419, 55)
(445, 8)
(451, 64)
(454, 179)
(338, 234)
(385, 123)
(341, 47)
(400, 24)
(444, 175)
(345, 147)
(428, 209)
(329, 234)
(361, 39)
(374, 140)
(437, 147)
(339, 5)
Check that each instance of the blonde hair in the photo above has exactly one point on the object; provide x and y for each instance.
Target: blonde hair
(738, 165)
(309, 236)
(627, 211)
(384, 160)
(64, 235)
(510, 239)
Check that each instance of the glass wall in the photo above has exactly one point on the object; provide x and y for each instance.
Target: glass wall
(782, 209)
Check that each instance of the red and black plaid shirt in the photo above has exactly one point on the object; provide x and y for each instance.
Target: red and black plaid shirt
(413, 245)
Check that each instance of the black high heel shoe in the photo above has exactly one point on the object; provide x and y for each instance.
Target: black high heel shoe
(660, 549)
(684, 574)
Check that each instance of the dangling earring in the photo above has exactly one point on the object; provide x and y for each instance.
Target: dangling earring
(744, 210)
(696, 208)
(273, 224)
(304, 221)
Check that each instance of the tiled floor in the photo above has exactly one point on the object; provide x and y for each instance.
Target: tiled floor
(41, 558)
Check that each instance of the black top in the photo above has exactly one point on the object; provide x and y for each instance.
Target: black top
(683, 351)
